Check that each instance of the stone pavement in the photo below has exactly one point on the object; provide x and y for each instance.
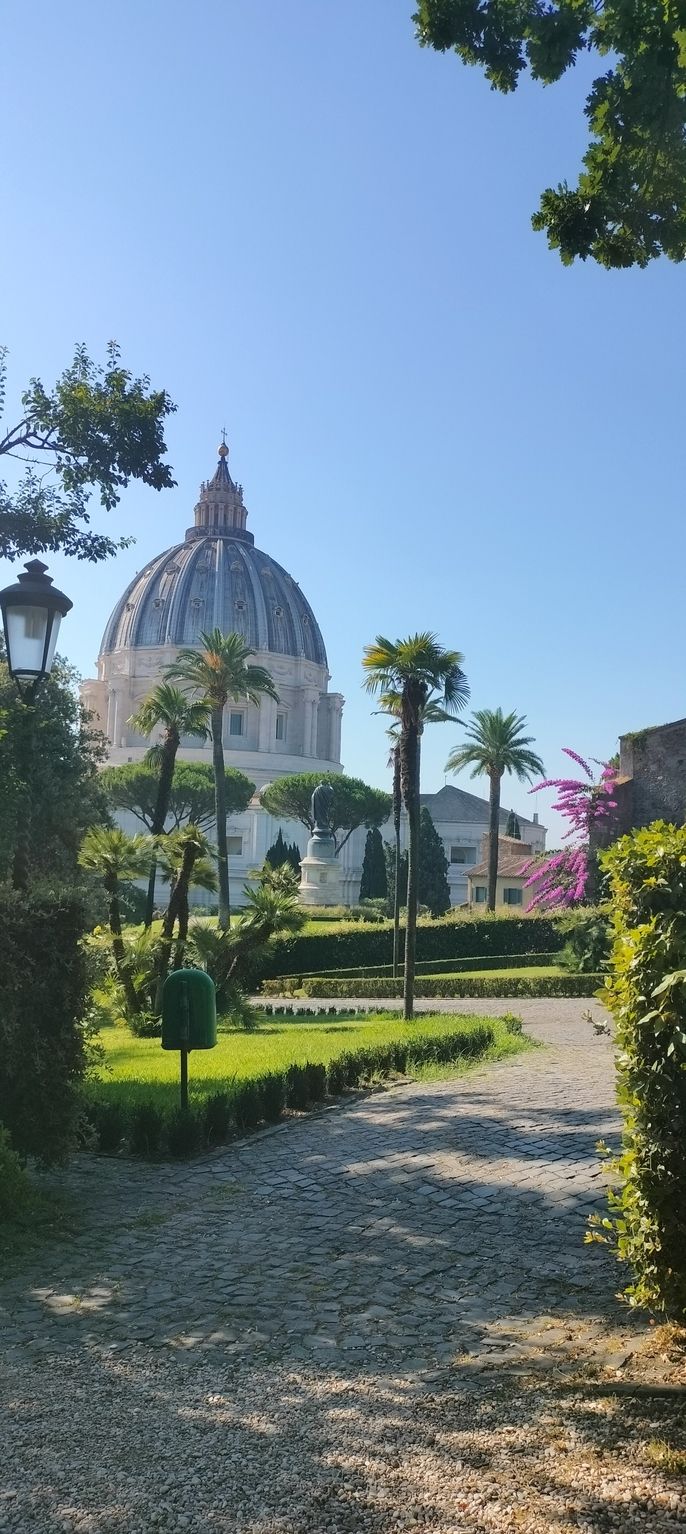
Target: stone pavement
(405, 1223)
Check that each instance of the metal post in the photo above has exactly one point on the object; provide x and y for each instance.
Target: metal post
(22, 842)
(184, 1080)
(185, 1035)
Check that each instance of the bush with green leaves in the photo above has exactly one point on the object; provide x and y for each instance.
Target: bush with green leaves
(587, 939)
(43, 1043)
(15, 1188)
(646, 992)
(459, 985)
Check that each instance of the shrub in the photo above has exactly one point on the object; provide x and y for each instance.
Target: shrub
(145, 1130)
(297, 1094)
(15, 1189)
(110, 1124)
(588, 939)
(43, 989)
(184, 1132)
(361, 945)
(476, 985)
(315, 1076)
(273, 1096)
(217, 1118)
(247, 1104)
(646, 992)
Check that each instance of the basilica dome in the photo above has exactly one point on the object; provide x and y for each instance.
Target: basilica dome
(216, 578)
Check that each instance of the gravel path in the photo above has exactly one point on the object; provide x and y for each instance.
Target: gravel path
(371, 1319)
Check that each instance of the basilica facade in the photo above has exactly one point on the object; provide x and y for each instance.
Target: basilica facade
(217, 578)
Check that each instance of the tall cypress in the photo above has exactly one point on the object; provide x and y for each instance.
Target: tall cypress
(434, 890)
(374, 884)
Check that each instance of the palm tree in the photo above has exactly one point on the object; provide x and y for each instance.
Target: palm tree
(220, 672)
(186, 860)
(179, 715)
(413, 673)
(432, 713)
(495, 744)
(116, 857)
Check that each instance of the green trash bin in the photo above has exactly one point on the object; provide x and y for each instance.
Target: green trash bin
(189, 1010)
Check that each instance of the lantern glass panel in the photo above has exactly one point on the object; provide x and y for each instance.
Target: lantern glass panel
(27, 628)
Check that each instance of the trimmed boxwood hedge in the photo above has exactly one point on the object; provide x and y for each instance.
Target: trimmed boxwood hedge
(467, 938)
(475, 985)
(150, 1131)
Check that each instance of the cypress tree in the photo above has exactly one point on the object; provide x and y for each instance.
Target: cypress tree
(374, 884)
(434, 890)
(389, 858)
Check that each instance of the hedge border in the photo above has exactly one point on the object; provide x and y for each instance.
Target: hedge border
(476, 986)
(151, 1132)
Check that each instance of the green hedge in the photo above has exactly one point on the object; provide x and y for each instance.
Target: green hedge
(456, 938)
(43, 991)
(478, 985)
(646, 992)
(150, 1131)
(431, 967)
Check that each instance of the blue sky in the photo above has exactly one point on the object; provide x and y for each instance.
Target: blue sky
(309, 229)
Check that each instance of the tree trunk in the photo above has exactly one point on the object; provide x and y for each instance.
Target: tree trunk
(170, 747)
(493, 832)
(119, 951)
(410, 772)
(220, 816)
(177, 910)
(397, 811)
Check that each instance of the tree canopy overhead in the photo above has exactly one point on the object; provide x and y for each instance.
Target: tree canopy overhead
(354, 802)
(133, 787)
(97, 429)
(629, 204)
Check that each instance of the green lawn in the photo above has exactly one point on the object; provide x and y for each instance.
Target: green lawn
(137, 1070)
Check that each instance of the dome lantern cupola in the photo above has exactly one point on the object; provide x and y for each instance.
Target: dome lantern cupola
(220, 511)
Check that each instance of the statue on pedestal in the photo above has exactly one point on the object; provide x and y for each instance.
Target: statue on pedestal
(321, 807)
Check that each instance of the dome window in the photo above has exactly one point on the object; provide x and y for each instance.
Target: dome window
(158, 602)
(239, 605)
(236, 565)
(278, 612)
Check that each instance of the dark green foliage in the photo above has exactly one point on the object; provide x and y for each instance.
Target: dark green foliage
(43, 989)
(354, 803)
(315, 1075)
(247, 1104)
(49, 759)
(646, 992)
(297, 1094)
(110, 1124)
(389, 858)
(217, 1118)
(513, 827)
(133, 787)
(273, 1089)
(433, 889)
(374, 883)
(15, 1188)
(312, 953)
(97, 429)
(184, 1132)
(478, 985)
(629, 205)
(282, 852)
(587, 939)
(145, 1130)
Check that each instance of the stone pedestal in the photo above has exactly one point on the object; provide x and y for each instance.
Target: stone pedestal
(320, 875)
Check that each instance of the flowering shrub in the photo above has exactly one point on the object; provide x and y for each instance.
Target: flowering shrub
(562, 879)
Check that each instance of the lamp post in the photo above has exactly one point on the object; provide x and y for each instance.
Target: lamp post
(32, 610)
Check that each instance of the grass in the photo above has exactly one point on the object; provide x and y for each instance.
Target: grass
(139, 1070)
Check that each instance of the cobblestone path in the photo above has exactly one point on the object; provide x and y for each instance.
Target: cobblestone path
(427, 1228)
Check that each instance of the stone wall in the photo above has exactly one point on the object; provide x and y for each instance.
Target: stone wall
(652, 767)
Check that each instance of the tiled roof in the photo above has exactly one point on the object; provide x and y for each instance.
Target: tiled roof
(452, 803)
(510, 866)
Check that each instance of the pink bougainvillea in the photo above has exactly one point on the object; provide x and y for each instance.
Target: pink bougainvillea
(562, 879)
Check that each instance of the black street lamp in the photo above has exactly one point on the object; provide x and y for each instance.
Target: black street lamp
(32, 610)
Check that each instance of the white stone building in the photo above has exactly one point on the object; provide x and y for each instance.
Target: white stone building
(217, 578)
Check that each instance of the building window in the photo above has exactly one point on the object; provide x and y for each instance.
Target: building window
(463, 854)
(236, 722)
(512, 896)
(480, 893)
(234, 846)
(281, 726)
